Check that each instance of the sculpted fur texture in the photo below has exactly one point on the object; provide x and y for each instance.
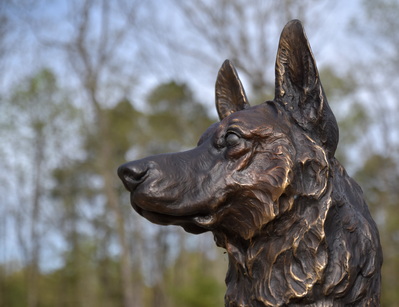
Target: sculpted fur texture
(265, 181)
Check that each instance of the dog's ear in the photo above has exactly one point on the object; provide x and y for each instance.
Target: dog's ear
(299, 90)
(229, 92)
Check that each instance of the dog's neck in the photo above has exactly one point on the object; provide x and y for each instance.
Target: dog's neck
(283, 261)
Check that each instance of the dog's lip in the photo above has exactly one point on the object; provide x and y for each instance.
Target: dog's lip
(201, 220)
(166, 208)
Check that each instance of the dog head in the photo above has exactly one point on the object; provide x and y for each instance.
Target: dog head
(250, 167)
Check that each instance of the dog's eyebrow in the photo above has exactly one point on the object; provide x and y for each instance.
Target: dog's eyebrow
(236, 123)
(235, 126)
(239, 127)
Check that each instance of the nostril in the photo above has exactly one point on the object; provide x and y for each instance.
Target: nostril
(136, 174)
(132, 175)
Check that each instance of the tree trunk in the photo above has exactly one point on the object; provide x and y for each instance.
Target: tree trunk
(108, 174)
(33, 268)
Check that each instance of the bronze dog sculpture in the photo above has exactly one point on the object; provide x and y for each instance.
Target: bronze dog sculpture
(265, 181)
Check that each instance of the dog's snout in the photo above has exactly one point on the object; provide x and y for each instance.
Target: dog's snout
(132, 174)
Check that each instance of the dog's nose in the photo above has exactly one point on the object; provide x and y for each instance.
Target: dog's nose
(132, 174)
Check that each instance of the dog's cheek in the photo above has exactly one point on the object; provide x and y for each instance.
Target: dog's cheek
(316, 176)
(275, 178)
(247, 216)
(238, 165)
(312, 171)
(237, 152)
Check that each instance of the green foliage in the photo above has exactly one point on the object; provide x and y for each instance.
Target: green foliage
(194, 283)
(35, 102)
(12, 288)
(352, 129)
(126, 127)
(337, 87)
(201, 291)
(40, 116)
(170, 97)
(75, 284)
(379, 178)
(379, 175)
(175, 120)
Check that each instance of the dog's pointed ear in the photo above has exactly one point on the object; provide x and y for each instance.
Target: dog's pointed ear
(229, 92)
(299, 90)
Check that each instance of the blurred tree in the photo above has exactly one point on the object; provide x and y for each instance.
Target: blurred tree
(171, 114)
(380, 180)
(197, 285)
(378, 76)
(95, 59)
(176, 120)
(240, 31)
(112, 257)
(34, 111)
(92, 55)
(13, 288)
(76, 189)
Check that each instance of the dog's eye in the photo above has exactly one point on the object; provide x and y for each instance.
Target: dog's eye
(232, 139)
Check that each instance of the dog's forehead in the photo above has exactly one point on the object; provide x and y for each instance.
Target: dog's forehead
(257, 116)
(265, 118)
(252, 116)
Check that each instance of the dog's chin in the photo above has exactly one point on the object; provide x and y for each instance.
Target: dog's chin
(191, 223)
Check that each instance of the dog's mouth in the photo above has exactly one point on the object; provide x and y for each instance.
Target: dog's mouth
(195, 223)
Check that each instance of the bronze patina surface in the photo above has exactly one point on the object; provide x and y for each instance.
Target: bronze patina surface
(265, 181)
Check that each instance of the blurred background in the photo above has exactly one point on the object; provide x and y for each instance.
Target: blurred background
(88, 84)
